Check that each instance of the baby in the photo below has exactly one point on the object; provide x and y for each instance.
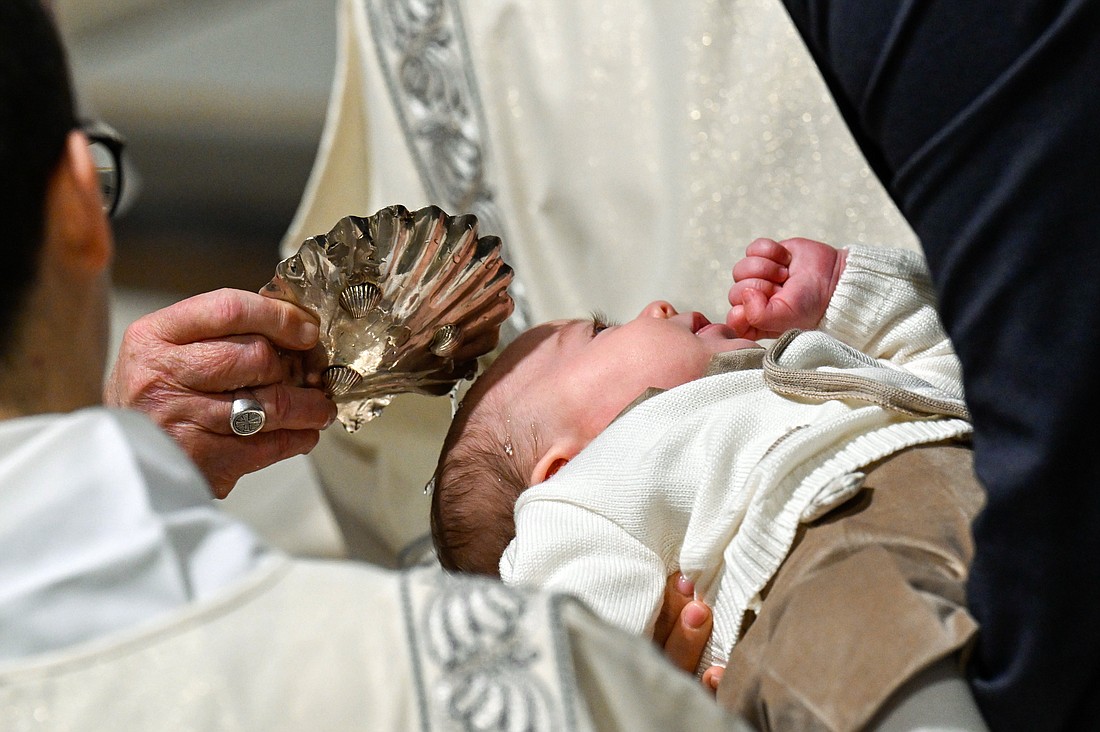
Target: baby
(597, 458)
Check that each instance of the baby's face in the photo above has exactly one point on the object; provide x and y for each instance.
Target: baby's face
(587, 372)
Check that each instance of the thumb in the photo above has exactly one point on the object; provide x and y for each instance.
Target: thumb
(737, 321)
(756, 306)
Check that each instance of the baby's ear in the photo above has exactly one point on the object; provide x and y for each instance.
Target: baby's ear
(553, 460)
(557, 465)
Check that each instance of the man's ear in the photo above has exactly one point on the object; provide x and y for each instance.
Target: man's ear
(554, 459)
(77, 228)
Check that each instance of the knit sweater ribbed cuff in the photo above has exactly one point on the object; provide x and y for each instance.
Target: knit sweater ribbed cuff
(873, 283)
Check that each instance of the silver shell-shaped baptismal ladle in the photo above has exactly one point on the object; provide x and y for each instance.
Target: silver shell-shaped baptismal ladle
(407, 302)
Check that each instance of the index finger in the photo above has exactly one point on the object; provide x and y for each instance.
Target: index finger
(769, 249)
(229, 312)
(688, 639)
(760, 268)
(679, 591)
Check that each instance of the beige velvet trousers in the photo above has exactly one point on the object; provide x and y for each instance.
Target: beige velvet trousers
(870, 595)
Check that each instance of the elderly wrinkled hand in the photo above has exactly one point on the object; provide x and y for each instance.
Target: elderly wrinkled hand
(186, 364)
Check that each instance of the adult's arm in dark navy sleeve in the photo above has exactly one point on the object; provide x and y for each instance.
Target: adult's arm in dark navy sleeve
(982, 118)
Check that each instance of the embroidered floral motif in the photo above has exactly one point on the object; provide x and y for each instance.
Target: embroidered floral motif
(427, 67)
(479, 664)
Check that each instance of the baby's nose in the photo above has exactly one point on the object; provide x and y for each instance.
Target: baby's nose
(659, 309)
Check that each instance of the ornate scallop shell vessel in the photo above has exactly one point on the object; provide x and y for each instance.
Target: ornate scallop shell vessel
(407, 302)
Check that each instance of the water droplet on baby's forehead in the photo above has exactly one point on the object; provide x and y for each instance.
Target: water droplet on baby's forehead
(508, 449)
(429, 487)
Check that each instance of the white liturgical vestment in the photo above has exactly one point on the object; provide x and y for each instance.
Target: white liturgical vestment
(86, 548)
(129, 602)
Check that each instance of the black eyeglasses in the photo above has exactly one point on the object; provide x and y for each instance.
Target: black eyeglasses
(106, 147)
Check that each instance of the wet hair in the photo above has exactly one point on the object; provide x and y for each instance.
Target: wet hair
(483, 468)
(36, 115)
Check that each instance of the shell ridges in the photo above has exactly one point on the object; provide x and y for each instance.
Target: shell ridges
(445, 340)
(360, 299)
(339, 380)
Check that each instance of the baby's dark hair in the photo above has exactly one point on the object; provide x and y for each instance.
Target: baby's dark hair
(483, 468)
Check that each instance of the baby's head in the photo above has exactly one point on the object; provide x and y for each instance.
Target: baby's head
(545, 397)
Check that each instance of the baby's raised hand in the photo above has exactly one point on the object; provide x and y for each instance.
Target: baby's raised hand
(782, 285)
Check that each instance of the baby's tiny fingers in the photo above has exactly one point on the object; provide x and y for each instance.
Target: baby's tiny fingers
(737, 292)
(756, 306)
(760, 268)
(769, 249)
(737, 321)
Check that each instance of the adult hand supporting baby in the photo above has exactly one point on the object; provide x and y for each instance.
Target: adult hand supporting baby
(683, 628)
(184, 365)
(782, 285)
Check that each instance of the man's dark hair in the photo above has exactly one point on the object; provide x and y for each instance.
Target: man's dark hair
(36, 115)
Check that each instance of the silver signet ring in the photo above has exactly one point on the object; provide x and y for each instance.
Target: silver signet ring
(246, 417)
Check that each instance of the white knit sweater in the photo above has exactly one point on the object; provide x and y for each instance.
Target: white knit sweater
(713, 477)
